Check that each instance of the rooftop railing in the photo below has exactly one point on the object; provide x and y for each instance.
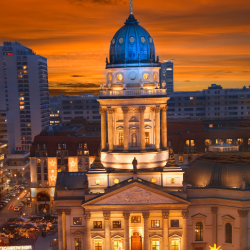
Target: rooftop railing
(134, 92)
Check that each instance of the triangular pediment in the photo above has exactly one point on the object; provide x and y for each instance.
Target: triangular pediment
(136, 194)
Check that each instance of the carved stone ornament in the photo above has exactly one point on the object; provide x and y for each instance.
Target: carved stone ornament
(110, 111)
(164, 109)
(87, 216)
(165, 215)
(102, 110)
(145, 215)
(106, 216)
(136, 195)
(59, 211)
(214, 210)
(67, 211)
(126, 216)
(157, 109)
(125, 110)
(185, 214)
(243, 213)
(142, 109)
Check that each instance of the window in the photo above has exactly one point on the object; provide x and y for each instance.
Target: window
(134, 140)
(199, 231)
(118, 245)
(98, 245)
(172, 180)
(175, 245)
(38, 162)
(239, 141)
(78, 244)
(155, 223)
(180, 158)
(117, 224)
(97, 224)
(229, 141)
(248, 141)
(77, 221)
(146, 138)
(174, 223)
(190, 143)
(155, 245)
(211, 125)
(208, 142)
(135, 219)
(229, 234)
(120, 139)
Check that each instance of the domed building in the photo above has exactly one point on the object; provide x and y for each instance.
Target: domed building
(135, 196)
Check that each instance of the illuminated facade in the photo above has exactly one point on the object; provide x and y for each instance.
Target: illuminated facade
(135, 196)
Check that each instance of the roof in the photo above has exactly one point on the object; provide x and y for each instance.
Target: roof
(70, 180)
(220, 169)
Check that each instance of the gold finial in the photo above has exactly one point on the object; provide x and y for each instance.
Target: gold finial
(131, 6)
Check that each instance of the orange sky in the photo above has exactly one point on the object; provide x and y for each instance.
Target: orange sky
(209, 39)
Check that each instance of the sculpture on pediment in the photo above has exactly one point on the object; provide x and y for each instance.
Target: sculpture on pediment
(135, 162)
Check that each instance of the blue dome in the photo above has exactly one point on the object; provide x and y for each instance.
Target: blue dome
(131, 44)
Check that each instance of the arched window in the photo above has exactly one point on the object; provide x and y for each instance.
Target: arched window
(229, 233)
(134, 140)
(120, 139)
(199, 231)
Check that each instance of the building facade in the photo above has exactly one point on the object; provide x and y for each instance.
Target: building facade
(167, 75)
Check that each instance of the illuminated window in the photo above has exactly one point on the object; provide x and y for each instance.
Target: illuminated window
(199, 231)
(86, 152)
(21, 103)
(97, 224)
(229, 233)
(180, 158)
(153, 180)
(25, 72)
(97, 182)
(175, 245)
(51, 115)
(211, 125)
(192, 143)
(19, 76)
(135, 219)
(120, 77)
(174, 223)
(21, 107)
(146, 138)
(21, 98)
(187, 143)
(85, 145)
(217, 141)
(118, 245)
(77, 220)
(240, 141)
(145, 76)
(155, 76)
(169, 69)
(120, 139)
(191, 98)
(134, 140)
(248, 141)
(229, 141)
(38, 162)
(155, 223)
(155, 245)
(52, 122)
(98, 245)
(208, 142)
(172, 180)
(56, 114)
(78, 244)
(25, 67)
(116, 181)
(117, 224)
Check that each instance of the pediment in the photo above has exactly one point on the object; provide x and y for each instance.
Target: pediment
(228, 217)
(199, 216)
(133, 119)
(136, 194)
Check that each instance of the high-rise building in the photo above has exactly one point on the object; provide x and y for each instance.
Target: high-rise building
(24, 96)
(167, 75)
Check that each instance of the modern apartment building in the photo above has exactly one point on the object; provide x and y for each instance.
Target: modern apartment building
(214, 103)
(80, 107)
(167, 75)
(24, 96)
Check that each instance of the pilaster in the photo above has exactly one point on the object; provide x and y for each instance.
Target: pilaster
(146, 233)
(107, 230)
(164, 140)
(214, 211)
(184, 234)
(243, 229)
(142, 127)
(125, 127)
(103, 128)
(110, 129)
(126, 230)
(165, 225)
(87, 232)
(60, 230)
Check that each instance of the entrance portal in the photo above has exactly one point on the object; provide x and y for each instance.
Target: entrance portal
(136, 243)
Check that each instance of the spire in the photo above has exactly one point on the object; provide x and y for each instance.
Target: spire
(131, 6)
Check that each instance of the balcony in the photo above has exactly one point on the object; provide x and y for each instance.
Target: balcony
(135, 92)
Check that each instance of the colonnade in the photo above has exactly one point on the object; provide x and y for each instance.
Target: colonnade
(146, 239)
(159, 128)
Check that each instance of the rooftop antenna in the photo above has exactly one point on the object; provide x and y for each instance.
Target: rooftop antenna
(131, 7)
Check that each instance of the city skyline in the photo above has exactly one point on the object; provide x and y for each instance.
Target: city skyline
(207, 39)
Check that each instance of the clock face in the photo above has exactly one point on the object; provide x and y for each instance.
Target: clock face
(145, 76)
(131, 39)
(113, 41)
(143, 40)
(150, 40)
(132, 75)
(119, 77)
(120, 40)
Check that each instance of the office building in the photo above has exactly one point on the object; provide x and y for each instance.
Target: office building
(167, 75)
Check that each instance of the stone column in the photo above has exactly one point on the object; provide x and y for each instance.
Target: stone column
(126, 230)
(142, 127)
(157, 128)
(103, 128)
(60, 230)
(68, 224)
(243, 229)
(87, 232)
(125, 127)
(110, 129)
(107, 230)
(214, 211)
(64, 231)
(146, 234)
(165, 230)
(164, 139)
(184, 231)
